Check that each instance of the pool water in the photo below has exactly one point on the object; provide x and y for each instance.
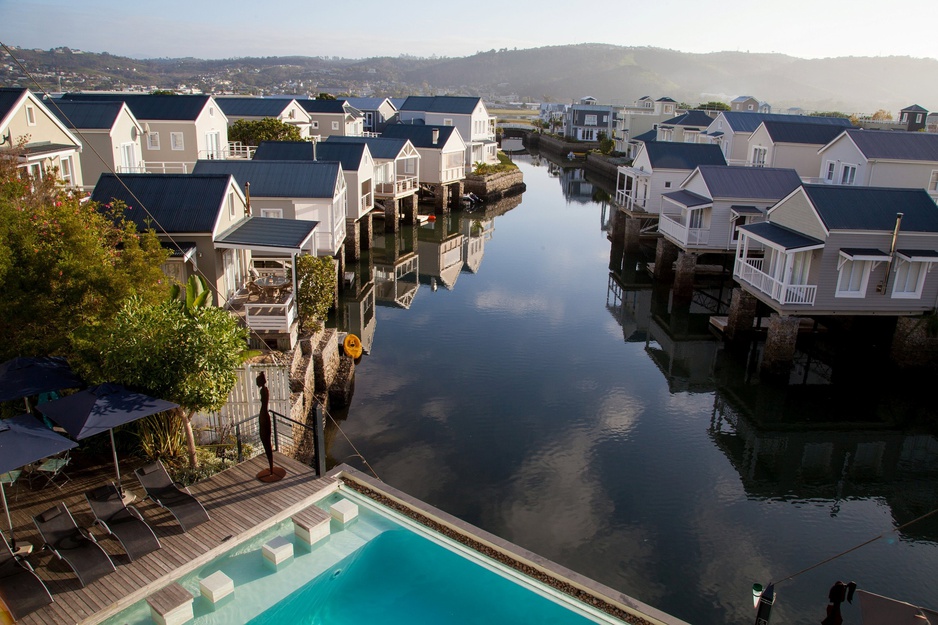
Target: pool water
(380, 567)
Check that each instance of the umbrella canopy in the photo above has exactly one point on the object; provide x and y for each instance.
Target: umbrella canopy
(21, 377)
(24, 439)
(97, 409)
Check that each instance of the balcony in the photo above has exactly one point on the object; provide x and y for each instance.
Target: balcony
(266, 311)
(401, 186)
(749, 270)
(689, 237)
(453, 173)
(626, 200)
(367, 203)
(167, 167)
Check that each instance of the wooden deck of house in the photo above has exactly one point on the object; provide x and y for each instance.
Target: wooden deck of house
(239, 506)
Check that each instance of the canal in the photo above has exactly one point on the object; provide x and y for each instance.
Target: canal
(516, 381)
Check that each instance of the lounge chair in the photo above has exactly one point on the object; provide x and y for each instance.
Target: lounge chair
(21, 590)
(76, 546)
(170, 495)
(124, 523)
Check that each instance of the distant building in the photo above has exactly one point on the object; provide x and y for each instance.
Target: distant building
(913, 118)
(640, 119)
(589, 121)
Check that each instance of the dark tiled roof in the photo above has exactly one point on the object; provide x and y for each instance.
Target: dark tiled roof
(796, 132)
(420, 135)
(464, 105)
(915, 108)
(668, 155)
(87, 115)
(764, 183)
(398, 102)
(295, 179)
(349, 154)
(285, 151)
(690, 118)
(873, 208)
(787, 239)
(664, 99)
(380, 147)
(8, 97)
(895, 144)
(741, 121)
(864, 253)
(366, 104)
(323, 106)
(688, 198)
(47, 148)
(177, 202)
(157, 107)
(252, 107)
(288, 234)
(647, 137)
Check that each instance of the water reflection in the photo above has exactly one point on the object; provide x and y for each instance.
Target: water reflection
(396, 268)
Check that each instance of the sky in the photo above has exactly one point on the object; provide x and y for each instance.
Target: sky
(365, 28)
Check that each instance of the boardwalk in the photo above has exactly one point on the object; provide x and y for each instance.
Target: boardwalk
(239, 507)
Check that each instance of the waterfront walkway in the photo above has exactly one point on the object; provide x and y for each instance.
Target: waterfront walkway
(239, 506)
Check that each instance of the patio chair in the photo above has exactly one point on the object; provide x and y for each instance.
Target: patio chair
(76, 546)
(21, 590)
(171, 496)
(125, 523)
(50, 469)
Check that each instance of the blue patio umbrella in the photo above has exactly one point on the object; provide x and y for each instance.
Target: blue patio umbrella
(24, 439)
(102, 408)
(22, 377)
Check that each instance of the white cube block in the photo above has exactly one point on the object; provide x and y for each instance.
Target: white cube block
(171, 605)
(343, 511)
(216, 586)
(313, 534)
(278, 550)
(178, 616)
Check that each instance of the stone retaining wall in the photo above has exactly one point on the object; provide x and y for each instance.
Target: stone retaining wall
(546, 143)
(495, 186)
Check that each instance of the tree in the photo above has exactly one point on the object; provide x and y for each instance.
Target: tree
(714, 105)
(317, 281)
(325, 96)
(163, 92)
(829, 114)
(882, 115)
(187, 355)
(267, 129)
(606, 144)
(66, 267)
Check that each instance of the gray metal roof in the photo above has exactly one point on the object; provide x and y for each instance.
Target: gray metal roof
(746, 210)
(695, 118)
(647, 137)
(797, 132)
(781, 236)
(8, 98)
(896, 144)
(463, 105)
(293, 179)
(864, 253)
(289, 235)
(743, 121)
(763, 183)
(688, 199)
(668, 155)
(177, 202)
(87, 115)
(349, 154)
(915, 108)
(252, 107)
(385, 148)
(367, 104)
(156, 107)
(179, 249)
(420, 135)
(323, 106)
(873, 208)
(286, 151)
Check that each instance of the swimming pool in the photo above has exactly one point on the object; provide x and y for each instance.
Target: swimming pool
(381, 567)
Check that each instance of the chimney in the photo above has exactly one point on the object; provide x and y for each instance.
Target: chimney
(247, 199)
(436, 136)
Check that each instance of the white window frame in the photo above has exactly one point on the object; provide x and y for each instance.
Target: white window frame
(272, 213)
(66, 170)
(231, 204)
(335, 125)
(865, 266)
(831, 171)
(590, 120)
(314, 124)
(667, 184)
(153, 141)
(848, 167)
(448, 121)
(177, 141)
(918, 118)
(758, 152)
(933, 181)
(902, 274)
(30, 116)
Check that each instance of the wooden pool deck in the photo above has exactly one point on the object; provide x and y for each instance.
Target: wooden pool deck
(239, 506)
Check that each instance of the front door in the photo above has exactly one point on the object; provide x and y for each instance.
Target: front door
(212, 147)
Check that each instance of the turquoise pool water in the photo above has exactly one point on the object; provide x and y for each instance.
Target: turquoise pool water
(379, 568)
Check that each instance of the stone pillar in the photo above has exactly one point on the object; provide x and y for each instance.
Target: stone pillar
(684, 275)
(456, 193)
(780, 345)
(367, 231)
(340, 274)
(392, 215)
(633, 230)
(665, 255)
(409, 209)
(353, 249)
(741, 316)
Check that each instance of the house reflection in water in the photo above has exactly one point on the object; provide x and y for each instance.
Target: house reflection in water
(396, 268)
(440, 248)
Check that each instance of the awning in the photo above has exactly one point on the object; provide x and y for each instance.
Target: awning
(688, 199)
(918, 256)
(739, 211)
(777, 236)
(634, 171)
(864, 253)
(269, 234)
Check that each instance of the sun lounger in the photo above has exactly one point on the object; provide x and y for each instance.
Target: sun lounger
(68, 542)
(21, 590)
(174, 497)
(125, 523)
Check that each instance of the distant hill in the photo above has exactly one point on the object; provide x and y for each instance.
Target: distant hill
(561, 73)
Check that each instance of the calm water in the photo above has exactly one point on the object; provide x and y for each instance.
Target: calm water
(593, 421)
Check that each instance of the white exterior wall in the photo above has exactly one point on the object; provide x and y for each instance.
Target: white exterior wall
(841, 151)
(904, 174)
(45, 128)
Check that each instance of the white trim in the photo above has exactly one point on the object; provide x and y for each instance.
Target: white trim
(272, 213)
(30, 115)
(923, 269)
(177, 141)
(864, 279)
(153, 140)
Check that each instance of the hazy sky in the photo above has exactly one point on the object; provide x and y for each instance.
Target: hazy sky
(365, 28)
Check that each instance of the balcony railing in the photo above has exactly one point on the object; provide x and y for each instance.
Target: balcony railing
(367, 202)
(271, 317)
(628, 201)
(681, 233)
(402, 185)
(749, 270)
(453, 173)
(127, 169)
(235, 150)
(167, 167)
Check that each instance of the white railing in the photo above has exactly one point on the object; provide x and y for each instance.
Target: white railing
(126, 169)
(749, 270)
(167, 167)
(737, 162)
(271, 317)
(235, 150)
(681, 233)
(628, 201)
(369, 133)
(402, 185)
(265, 272)
(453, 173)
(367, 202)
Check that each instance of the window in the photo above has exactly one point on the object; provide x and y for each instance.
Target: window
(933, 181)
(291, 114)
(153, 141)
(335, 125)
(667, 184)
(410, 166)
(175, 141)
(231, 204)
(829, 171)
(65, 169)
(605, 119)
(854, 276)
(448, 121)
(910, 277)
(758, 157)
(848, 174)
(589, 120)
(273, 213)
(918, 118)
(750, 107)
(30, 116)
(314, 124)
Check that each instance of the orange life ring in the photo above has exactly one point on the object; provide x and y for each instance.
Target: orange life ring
(353, 346)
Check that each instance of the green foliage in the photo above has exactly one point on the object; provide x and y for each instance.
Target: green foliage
(65, 266)
(317, 281)
(713, 105)
(197, 295)
(163, 92)
(162, 436)
(829, 114)
(252, 132)
(504, 164)
(606, 144)
(325, 96)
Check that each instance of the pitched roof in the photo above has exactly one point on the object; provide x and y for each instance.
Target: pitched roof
(349, 154)
(782, 236)
(668, 155)
(441, 104)
(742, 121)
(688, 198)
(796, 132)
(915, 108)
(764, 183)
(253, 107)
(380, 147)
(87, 115)
(177, 202)
(690, 118)
(145, 106)
(398, 102)
(420, 135)
(294, 179)
(664, 99)
(286, 151)
(366, 104)
(896, 144)
(873, 208)
(269, 232)
(9, 96)
(743, 98)
(323, 106)
(647, 137)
